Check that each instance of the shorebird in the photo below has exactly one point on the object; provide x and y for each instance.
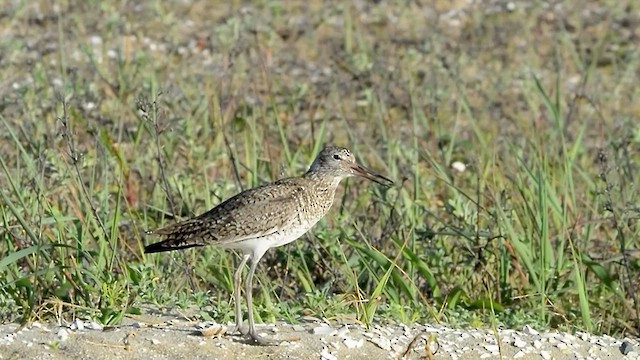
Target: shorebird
(264, 217)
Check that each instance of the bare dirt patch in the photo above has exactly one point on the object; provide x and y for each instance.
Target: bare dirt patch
(171, 336)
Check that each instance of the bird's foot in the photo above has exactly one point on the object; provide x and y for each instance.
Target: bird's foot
(237, 329)
(259, 340)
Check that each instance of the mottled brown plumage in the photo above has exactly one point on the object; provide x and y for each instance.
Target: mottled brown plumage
(266, 216)
(254, 213)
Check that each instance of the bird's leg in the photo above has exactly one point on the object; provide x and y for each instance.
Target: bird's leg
(248, 293)
(236, 297)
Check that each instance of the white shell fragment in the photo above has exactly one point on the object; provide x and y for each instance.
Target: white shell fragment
(342, 331)
(519, 343)
(353, 344)
(77, 324)
(529, 330)
(326, 355)
(324, 331)
(63, 334)
(93, 325)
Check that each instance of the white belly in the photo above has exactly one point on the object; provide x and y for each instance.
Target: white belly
(276, 239)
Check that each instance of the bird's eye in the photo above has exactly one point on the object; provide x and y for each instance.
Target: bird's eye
(336, 156)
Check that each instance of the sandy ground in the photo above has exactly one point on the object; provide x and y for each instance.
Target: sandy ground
(171, 336)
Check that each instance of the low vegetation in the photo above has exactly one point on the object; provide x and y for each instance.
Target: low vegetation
(510, 129)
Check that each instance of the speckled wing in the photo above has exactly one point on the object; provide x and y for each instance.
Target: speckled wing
(257, 212)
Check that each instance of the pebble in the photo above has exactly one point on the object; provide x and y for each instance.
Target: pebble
(568, 338)
(383, 331)
(396, 347)
(326, 355)
(298, 328)
(519, 343)
(382, 343)
(324, 330)
(77, 324)
(529, 330)
(351, 343)
(8, 339)
(446, 346)
(342, 331)
(492, 348)
(63, 334)
(626, 348)
(94, 326)
(545, 355)
(406, 329)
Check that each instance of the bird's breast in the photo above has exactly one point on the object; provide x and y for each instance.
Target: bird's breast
(314, 205)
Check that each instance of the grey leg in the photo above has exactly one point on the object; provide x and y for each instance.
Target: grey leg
(248, 293)
(236, 296)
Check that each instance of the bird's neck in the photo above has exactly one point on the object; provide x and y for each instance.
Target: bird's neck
(320, 192)
(324, 180)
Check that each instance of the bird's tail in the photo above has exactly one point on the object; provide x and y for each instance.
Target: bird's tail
(177, 236)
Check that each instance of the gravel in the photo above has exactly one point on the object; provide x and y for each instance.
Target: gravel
(170, 336)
